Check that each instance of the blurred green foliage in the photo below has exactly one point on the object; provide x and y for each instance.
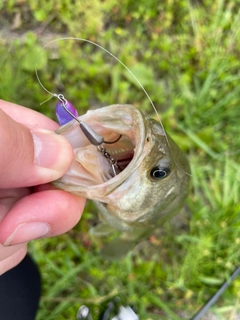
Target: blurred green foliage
(186, 54)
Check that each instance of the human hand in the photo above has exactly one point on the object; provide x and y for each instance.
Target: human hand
(30, 208)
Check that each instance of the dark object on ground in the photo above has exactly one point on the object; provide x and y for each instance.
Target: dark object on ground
(112, 310)
(20, 290)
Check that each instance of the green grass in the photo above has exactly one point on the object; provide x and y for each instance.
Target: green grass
(186, 54)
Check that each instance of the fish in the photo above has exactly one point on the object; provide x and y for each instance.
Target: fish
(150, 183)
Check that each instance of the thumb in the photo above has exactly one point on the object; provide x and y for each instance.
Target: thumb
(31, 156)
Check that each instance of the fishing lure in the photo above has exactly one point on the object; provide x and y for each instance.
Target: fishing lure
(69, 105)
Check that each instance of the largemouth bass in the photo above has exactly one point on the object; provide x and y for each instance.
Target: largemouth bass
(152, 179)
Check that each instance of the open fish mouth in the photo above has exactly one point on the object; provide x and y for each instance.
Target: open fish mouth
(91, 168)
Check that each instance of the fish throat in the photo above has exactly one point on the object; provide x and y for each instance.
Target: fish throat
(121, 154)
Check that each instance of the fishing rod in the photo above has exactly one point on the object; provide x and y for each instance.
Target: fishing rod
(216, 296)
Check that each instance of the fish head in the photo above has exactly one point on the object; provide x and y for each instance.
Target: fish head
(158, 186)
(153, 173)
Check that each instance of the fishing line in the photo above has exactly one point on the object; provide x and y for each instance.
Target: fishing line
(114, 57)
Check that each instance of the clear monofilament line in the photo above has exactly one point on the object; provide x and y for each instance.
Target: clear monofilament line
(114, 57)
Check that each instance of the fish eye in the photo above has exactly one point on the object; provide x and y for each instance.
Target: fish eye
(159, 172)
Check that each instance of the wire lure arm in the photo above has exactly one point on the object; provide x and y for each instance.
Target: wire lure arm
(115, 58)
(90, 134)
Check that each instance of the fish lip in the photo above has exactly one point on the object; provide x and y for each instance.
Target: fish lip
(110, 117)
